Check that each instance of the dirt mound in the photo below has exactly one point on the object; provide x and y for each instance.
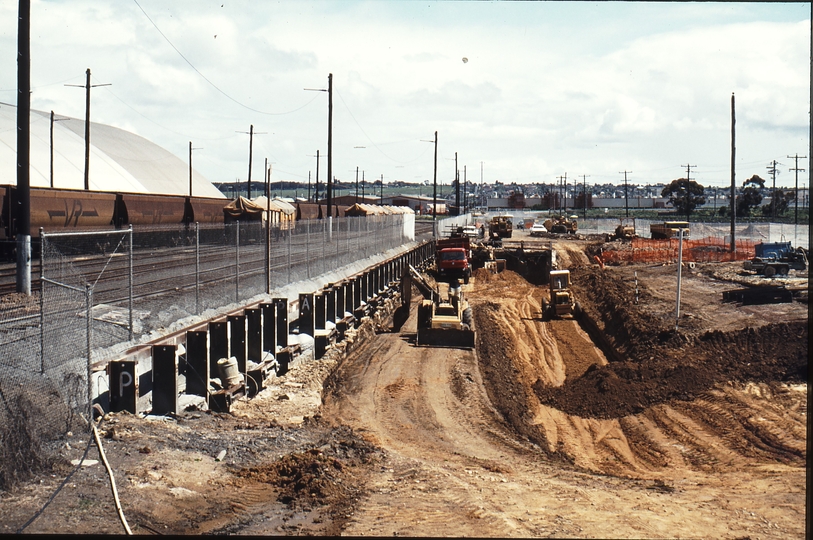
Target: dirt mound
(506, 278)
(319, 476)
(651, 363)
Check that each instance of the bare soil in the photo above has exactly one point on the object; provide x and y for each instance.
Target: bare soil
(615, 425)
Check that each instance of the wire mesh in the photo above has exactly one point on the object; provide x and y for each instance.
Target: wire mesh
(102, 290)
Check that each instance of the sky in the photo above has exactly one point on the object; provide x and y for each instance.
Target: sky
(523, 92)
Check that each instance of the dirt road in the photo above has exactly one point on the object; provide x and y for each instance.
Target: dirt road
(468, 458)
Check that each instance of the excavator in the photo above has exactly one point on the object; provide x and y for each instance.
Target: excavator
(444, 316)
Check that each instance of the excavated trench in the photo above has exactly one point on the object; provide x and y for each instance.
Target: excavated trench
(650, 372)
(651, 363)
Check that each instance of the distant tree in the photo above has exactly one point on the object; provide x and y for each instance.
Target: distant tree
(685, 195)
(751, 196)
(781, 201)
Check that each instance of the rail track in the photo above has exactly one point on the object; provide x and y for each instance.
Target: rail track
(152, 266)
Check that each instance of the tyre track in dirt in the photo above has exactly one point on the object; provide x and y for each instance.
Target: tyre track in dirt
(452, 467)
(470, 451)
(484, 456)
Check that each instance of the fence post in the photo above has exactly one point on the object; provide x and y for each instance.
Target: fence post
(307, 249)
(197, 268)
(89, 329)
(268, 253)
(237, 262)
(42, 300)
(679, 264)
(130, 284)
(325, 241)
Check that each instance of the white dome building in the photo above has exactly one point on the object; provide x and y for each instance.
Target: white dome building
(120, 161)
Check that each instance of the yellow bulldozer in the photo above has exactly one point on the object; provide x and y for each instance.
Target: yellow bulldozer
(562, 224)
(625, 230)
(562, 303)
(444, 316)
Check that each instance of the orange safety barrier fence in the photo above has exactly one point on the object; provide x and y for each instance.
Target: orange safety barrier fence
(709, 249)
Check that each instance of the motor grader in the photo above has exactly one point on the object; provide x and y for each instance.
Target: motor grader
(562, 303)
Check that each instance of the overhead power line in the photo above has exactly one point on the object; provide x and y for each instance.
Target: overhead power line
(213, 85)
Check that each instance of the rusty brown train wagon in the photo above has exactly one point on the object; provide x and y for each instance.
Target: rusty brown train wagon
(317, 211)
(149, 209)
(206, 209)
(58, 210)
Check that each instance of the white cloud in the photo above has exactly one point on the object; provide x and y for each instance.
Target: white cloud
(548, 86)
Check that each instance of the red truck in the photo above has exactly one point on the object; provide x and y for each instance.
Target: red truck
(452, 258)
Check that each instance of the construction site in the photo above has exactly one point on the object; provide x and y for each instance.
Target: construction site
(511, 385)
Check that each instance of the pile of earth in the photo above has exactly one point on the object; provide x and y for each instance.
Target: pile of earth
(325, 475)
(650, 362)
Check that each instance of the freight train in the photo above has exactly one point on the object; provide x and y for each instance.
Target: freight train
(65, 210)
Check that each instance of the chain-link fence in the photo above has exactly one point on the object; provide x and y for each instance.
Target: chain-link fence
(44, 388)
(102, 291)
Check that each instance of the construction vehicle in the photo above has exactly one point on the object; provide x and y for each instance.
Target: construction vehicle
(776, 258)
(625, 230)
(562, 303)
(444, 316)
(453, 258)
(669, 229)
(500, 227)
(562, 224)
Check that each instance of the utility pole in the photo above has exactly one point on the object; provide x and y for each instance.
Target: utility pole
(773, 171)
(797, 157)
(562, 179)
(457, 186)
(689, 170)
(87, 88)
(733, 197)
(329, 91)
(434, 186)
(329, 144)
(316, 191)
(357, 185)
(52, 143)
(465, 192)
(251, 134)
(482, 194)
(316, 188)
(626, 193)
(381, 201)
(190, 167)
(435, 189)
(24, 147)
(584, 195)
